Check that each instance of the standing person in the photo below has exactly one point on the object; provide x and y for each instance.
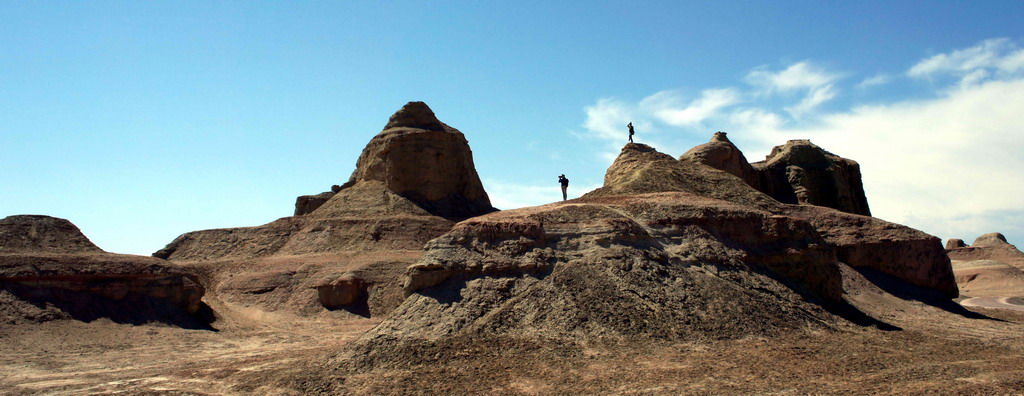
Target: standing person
(565, 184)
(630, 126)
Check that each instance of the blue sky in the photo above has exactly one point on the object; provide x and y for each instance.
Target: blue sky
(139, 121)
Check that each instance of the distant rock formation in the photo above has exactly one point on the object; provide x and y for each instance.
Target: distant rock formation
(954, 243)
(799, 172)
(48, 262)
(422, 159)
(992, 239)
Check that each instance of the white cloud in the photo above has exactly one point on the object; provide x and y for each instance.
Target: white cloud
(997, 58)
(817, 84)
(666, 106)
(878, 79)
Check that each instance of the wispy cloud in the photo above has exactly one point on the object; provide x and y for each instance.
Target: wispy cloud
(875, 80)
(817, 84)
(996, 58)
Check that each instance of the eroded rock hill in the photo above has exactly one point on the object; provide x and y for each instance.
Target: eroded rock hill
(411, 182)
(666, 249)
(50, 270)
(798, 172)
(989, 267)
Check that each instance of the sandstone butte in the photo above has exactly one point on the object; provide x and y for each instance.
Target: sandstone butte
(706, 246)
(989, 268)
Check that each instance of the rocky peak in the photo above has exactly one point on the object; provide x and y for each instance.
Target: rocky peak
(955, 243)
(720, 153)
(415, 115)
(800, 172)
(992, 239)
(430, 163)
(37, 233)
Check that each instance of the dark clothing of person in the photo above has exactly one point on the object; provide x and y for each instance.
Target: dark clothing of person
(630, 132)
(565, 185)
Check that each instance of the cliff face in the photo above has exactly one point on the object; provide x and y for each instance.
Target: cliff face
(800, 172)
(48, 262)
(797, 172)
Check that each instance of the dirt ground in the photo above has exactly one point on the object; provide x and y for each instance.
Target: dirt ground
(934, 352)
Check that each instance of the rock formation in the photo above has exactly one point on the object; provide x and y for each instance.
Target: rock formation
(797, 172)
(801, 172)
(422, 159)
(721, 154)
(954, 243)
(667, 249)
(48, 262)
(990, 267)
(411, 182)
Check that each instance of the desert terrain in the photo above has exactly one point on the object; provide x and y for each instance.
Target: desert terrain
(702, 274)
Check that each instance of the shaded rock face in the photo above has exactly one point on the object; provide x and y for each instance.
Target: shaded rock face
(338, 292)
(47, 262)
(800, 172)
(305, 204)
(420, 158)
(954, 243)
(721, 154)
(36, 233)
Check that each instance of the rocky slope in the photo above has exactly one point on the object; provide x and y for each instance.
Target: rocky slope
(49, 270)
(346, 249)
(667, 249)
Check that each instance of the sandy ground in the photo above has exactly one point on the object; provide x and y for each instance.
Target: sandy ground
(1011, 303)
(936, 352)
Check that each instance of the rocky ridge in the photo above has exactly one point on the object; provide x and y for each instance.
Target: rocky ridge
(49, 269)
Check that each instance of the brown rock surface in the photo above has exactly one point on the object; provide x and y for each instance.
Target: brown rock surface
(305, 204)
(337, 292)
(954, 243)
(991, 267)
(422, 159)
(411, 181)
(48, 262)
(721, 154)
(800, 172)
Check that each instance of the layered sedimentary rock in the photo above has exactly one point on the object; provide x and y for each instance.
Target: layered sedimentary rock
(411, 182)
(667, 249)
(422, 159)
(954, 243)
(799, 172)
(48, 261)
(721, 154)
(990, 267)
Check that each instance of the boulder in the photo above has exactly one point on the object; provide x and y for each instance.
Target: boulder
(338, 291)
(799, 172)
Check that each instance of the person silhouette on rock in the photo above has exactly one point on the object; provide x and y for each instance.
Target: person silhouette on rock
(565, 185)
(630, 126)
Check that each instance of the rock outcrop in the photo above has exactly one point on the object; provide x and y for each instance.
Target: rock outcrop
(721, 154)
(800, 172)
(305, 204)
(48, 262)
(422, 159)
(990, 267)
(954, 243)
(991, 240)
(411, 182)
